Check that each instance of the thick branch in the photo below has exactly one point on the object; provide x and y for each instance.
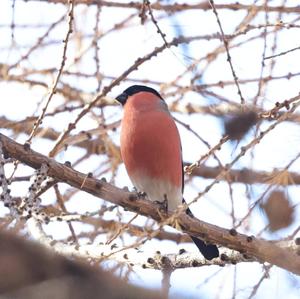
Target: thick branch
(261, 249)
(28, 270)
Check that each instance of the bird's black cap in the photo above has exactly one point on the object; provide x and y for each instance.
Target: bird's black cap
(122, 98)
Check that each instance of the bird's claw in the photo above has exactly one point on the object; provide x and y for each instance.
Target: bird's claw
(141, 194)
(163, 205)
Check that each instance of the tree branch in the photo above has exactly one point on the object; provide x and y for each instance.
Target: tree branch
(262, 250)
(182, 7)
(97, 146)
(248, 176)
(134, 256)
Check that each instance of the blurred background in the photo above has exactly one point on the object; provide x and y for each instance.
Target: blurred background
(229, 72)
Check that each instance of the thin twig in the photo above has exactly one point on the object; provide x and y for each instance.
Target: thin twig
(225, 41)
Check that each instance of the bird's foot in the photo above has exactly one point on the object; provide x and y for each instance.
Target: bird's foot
(141, 194)
(163, 205)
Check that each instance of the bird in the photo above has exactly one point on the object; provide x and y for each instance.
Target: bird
(151, 151)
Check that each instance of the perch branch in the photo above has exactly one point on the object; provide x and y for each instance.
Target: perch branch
(260, 249)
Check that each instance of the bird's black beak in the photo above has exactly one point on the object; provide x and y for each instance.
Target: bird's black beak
(122, 98)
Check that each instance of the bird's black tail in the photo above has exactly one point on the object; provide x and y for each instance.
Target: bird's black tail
(209, 251)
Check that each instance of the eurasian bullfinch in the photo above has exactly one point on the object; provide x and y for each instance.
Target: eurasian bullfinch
(151, 151)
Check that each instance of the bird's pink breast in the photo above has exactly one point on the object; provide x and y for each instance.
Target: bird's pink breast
(150, 142)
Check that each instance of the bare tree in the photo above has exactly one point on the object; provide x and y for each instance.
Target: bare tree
(228, 72)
